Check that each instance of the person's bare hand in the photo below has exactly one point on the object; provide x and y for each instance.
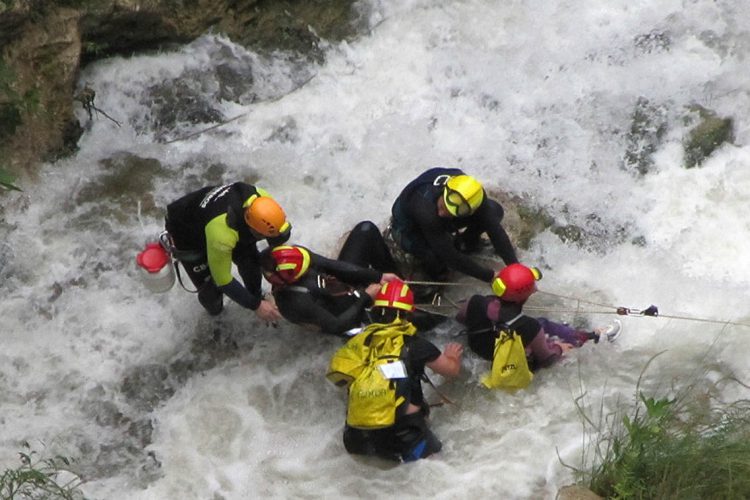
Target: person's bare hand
(372, 290)
(564, 346)
(267, 311)
(389, 277)
(453, 350)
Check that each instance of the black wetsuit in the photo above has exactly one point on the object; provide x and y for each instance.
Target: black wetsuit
(410, 437)
(340, 304)
(435, 240)
(209, 232)
(334, 306)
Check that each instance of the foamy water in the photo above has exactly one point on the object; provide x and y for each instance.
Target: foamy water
(157, 400)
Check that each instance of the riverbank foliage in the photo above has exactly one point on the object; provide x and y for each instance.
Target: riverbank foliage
(40, 478)
(688, 446)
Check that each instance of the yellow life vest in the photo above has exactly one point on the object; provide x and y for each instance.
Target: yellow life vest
(371, 365)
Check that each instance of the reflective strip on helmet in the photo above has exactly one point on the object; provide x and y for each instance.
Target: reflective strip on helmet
(536, 272)
(498, 287)
(305, 262)
(249, 201)
(393, 305)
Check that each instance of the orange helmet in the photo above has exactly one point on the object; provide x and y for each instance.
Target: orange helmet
(292, 262)
(396, 295)
(266, 217)
(516, 282)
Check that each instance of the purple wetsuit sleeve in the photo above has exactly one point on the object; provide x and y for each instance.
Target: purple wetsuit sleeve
(563, 332)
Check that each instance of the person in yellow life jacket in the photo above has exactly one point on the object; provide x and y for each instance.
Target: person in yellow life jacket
(382, 367)
(215, 226)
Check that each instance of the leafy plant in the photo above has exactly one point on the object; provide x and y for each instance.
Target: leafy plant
(685, 447)
(40, 478)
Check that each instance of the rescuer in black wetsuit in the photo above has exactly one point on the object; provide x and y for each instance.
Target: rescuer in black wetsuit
(332, 295)
(215, 226)
(440, 216)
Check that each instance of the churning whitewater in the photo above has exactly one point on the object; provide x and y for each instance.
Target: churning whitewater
(155, 399)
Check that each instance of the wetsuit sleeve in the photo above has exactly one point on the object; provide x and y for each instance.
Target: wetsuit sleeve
(421, 352)
(238, 293)
(490, 216)
(441, 243)
(220, 241)
(345, 271)
(248, 265)
(300, 307)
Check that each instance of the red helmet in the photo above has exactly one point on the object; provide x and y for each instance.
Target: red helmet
(516, 282)
(395, 294)
(291, 262)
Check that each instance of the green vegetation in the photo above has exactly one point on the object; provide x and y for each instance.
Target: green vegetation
(685, 447)
(7, 179)
(38, 478)
(94, 50)
(10, 111)
(11, 108)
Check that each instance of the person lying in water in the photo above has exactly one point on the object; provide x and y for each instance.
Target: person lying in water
(545, 341)
(333, 295)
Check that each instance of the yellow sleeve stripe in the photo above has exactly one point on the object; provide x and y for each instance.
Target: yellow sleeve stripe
(220, 242)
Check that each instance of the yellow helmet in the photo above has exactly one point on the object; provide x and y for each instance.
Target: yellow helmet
(462, 195)
(266, 217)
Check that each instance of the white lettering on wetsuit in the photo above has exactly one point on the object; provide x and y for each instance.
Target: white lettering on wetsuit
(215, 194)
(441, 180)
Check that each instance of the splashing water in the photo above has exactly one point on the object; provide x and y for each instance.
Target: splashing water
(536, 99)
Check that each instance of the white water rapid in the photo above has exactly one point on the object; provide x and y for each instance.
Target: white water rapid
(156, 400)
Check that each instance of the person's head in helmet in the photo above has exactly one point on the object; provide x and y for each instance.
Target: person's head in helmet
(516, 282)
(395, 300)
(290, 263)
(462, 196)
(267, 219)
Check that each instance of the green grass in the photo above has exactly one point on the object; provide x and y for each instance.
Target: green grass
(689, 446)
(40, 478)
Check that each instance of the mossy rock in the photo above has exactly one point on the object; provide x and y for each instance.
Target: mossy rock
(647, 130)
(711, 132)
(522, 221)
